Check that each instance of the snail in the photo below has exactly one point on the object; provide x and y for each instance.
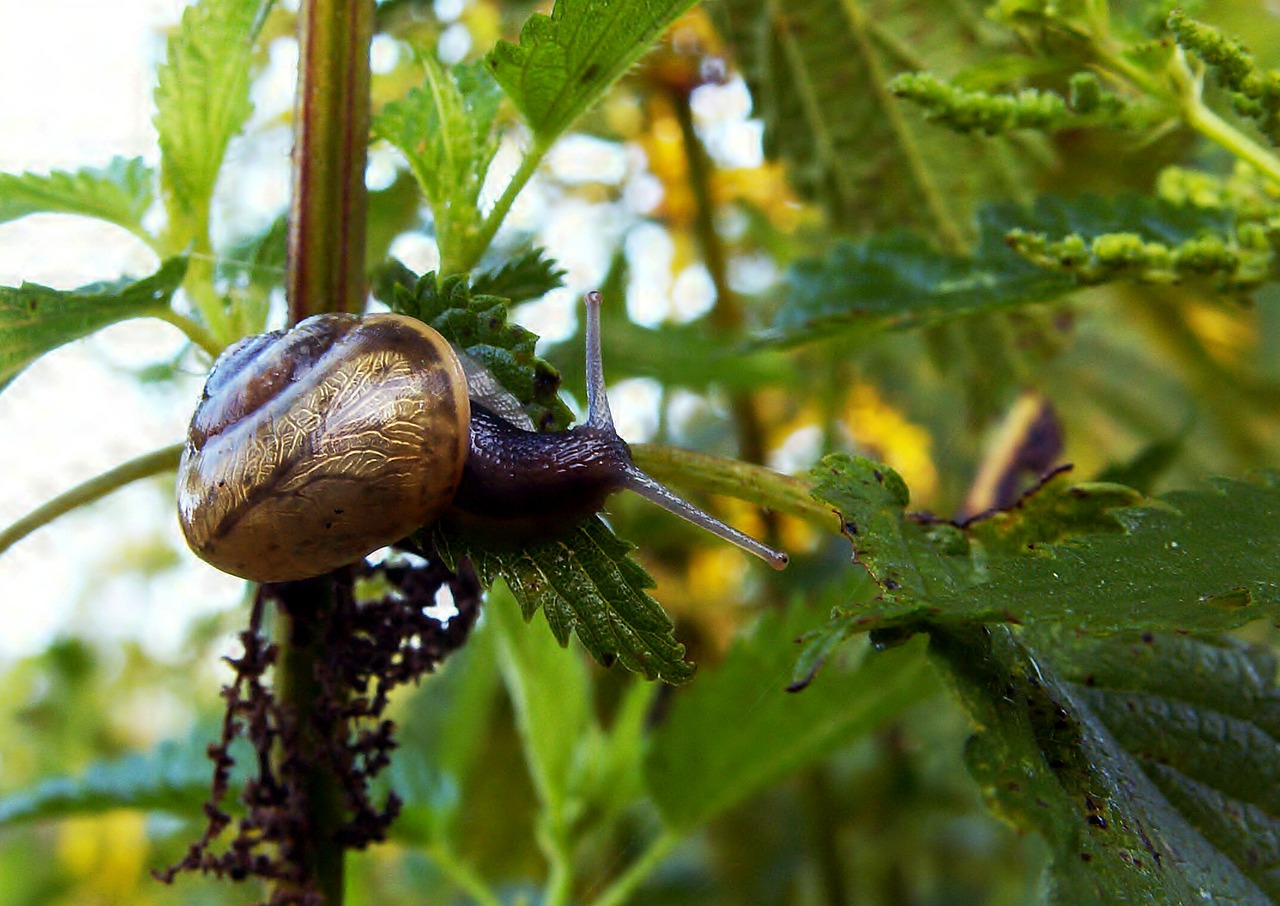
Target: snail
(315, 446)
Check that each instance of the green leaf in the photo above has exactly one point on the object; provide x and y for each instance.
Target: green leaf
(1077, 556)
(202, 102)
(738, 731)
(1047, 763)
(442, 729)
(477, 325)
(35, 319)
(521, 278)
(585, 582)
(819, 72)
(1192, 561)
(118, 193)
(174, 777)
(566, 61)
(901, 281)
(447, 130)
(551, 695)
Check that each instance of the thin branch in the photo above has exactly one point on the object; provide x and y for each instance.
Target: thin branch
(163, 460)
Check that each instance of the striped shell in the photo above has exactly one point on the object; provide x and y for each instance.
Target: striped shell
(314, 446)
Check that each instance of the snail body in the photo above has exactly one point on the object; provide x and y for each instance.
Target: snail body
(314, 446)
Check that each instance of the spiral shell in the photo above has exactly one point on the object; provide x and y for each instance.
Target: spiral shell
(314, 446)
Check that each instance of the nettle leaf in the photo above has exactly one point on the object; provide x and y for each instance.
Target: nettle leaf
(585, 582)
(1024, 256)
(902, 281)
(521, 278)
(118, 193)
(1046, 762)
(202, 102)
(1078, 556)
(818, 72)
(1193, 561)
(566, 61)
(1202, 718)
(172, 778)
(477, 325)
(35, 319)
(738, 730)
(447, 131)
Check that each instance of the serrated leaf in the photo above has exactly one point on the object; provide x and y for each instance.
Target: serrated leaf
(477, 325)
(899, 280)
(202, 102)
(172, 778)
(35, 319)
(818, 72)
(566, 61)
(1200, 561)
(447, 130)
(118, 193)
(738, 731)
(1047, 763)
(521, 278)
(584, 582)
(1193, 561)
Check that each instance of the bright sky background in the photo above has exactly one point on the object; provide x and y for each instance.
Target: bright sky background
(77, 78)
(77, 88)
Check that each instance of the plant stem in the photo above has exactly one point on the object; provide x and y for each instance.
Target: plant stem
(1214, 127)
(480, 242)
(306, 608)
(733, 478)
(330, 201)
(196, 332)
(625, 884)
(462, 875)
(325, 272)
(163, 460)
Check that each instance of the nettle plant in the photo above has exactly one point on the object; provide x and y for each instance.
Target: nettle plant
(958, 175)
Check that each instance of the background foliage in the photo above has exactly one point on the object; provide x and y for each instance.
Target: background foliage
(981, 241)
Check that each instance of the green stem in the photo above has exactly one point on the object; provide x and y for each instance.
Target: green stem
(733, 478)
(325, 272)
(306, 609)
(1214, 127)
(620, 891)
(480, 243)
(196, 332)
(553, 840)
(462, 875)
(327, 217)
(163, 460)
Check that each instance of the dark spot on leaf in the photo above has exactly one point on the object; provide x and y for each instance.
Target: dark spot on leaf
(589, 73)
(850, 527)
(891, 585)
(1148, 638)
(879, 475)
(1091, 680)
(1086, 857)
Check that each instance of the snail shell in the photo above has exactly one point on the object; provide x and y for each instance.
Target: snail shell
(341, 435)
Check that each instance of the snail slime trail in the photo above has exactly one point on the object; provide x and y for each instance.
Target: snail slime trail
(314, 446)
